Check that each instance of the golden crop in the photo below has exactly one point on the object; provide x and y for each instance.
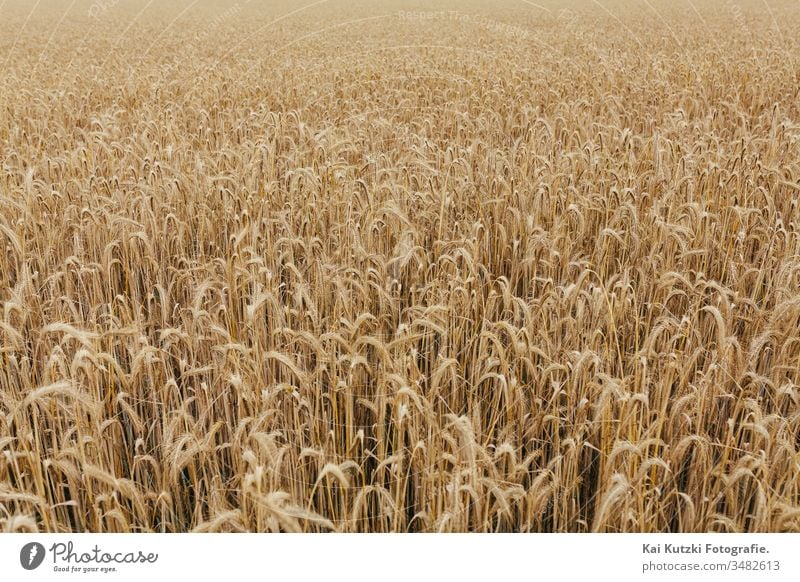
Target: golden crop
(396, 266)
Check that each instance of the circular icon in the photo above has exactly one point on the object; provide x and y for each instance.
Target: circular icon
(31, 555)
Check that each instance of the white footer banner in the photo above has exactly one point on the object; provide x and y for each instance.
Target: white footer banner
(406, 557)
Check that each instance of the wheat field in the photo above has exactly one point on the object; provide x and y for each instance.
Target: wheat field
(400, 266)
